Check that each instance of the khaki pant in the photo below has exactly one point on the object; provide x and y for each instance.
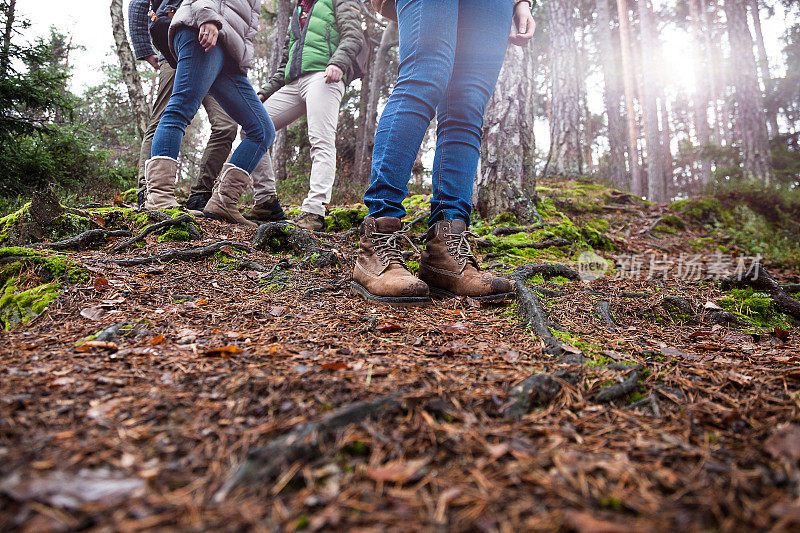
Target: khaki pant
(308, 95)
(223, 133)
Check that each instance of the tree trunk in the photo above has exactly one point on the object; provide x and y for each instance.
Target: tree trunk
(8, 31)
(378, 70)
(750, 121)
(127, 65)
(278, 150)
(609, 58)
(766, 77)
(700, 96)
(566, 156)
(628, 82)
(656, 191)
(360, 174)
(506, 180)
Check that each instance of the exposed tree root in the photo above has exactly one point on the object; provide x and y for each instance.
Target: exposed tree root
(630, 294)
(303, 443)
(535, 390)
(547, 270)
(534, 314)
(627, 386)
(791, 287)
(603, 310)
(761, 280)
(513, 230)
(82, 241)
(339, 285)
(282, 237)
(183, 219)
(483, 243)
(544, 291)
(673, 304)
(188, 254)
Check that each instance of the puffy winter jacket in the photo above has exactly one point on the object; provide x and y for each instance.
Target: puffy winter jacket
(237, 21)
(332, 35)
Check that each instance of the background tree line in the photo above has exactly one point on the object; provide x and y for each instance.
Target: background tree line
(653, 137)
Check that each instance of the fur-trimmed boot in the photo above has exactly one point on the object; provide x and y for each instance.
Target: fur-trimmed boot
(225, 198)
(449, 268)
(160, 174)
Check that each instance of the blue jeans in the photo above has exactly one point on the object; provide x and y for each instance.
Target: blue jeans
(451, 52)
(200, 73)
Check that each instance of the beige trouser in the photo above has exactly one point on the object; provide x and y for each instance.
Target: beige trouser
(308, 95)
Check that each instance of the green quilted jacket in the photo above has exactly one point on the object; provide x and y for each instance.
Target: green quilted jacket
(332, 35)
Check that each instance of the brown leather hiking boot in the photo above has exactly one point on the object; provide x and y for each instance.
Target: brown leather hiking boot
(225, 197)
(381, 274)
(450, 269)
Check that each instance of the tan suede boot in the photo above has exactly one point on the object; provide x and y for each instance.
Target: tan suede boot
(450, 269)
(159, 177)
(225, 198)
(381, 274)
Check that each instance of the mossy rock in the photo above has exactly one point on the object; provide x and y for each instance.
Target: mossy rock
(755, 308)
(705, 210)
(130, 196)
(345, 218)
(30, 281)
(670, 224)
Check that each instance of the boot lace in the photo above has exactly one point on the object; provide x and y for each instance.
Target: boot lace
(459, 246)
(389, 246)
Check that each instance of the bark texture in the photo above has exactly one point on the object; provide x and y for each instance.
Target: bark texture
(656, 164)
(629, 84)
(566, 155)
(506, 181)
(750, 122)
(610, 60)
(127, 65)
(701, 93)
(377, 76)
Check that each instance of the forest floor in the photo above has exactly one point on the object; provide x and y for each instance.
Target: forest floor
(406, 411)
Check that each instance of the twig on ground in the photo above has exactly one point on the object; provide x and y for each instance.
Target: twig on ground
(627, 386)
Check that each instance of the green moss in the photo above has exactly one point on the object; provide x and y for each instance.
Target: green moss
(31, 282)
(673, 221)
(418, 202)
(505, 219)
(705, 210)
(413, 266)
(178, 234)
(130, 196)
(611, 502)
(754, 308)
(345, 218)
(9, 221)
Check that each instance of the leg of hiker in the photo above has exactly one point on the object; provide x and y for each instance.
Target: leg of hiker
(322, 102)
(217, 150)
(447, 265)
(234, 93)
(283, 107)
(166, 76)
(428, 33)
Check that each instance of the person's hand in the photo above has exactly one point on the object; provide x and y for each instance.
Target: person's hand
(333, 74)
(153, 60)
(262, 97)
(209, 32)
(523, 24)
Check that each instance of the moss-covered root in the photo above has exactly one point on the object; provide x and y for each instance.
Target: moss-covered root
(30, 281)
(280, 237)
(345, 218)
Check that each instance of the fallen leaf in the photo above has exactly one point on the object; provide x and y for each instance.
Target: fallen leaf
(451, 348)
(455, 327)
(70, 491)
(101, 345)
(93, 313)
(100, 284)
(158, 339)
(201, 301)
(782, 334)
(397, 471)
(222, 351)
(700, 333)
(784, 443)
(334, 366)
(386, 326)
(276, 310)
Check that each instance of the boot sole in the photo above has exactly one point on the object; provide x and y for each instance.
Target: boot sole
(357, 289)
(214, 216)
(441, 294)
